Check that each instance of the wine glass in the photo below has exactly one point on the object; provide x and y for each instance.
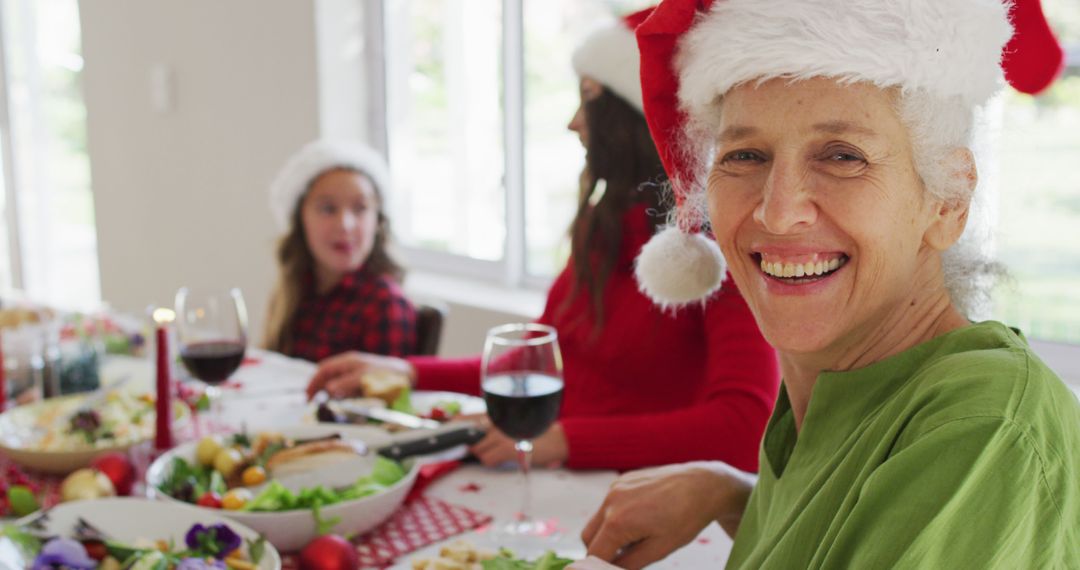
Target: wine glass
(211, 327)
(521, 377)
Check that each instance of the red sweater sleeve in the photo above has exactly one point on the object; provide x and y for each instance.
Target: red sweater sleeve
(728, 422)
(449, 374)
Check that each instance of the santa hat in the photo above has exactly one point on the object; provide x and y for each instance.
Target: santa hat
(610, 56)
(315, 158)
(694, 51)
(1033, 57)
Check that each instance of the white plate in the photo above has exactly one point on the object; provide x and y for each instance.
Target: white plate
(565, 546)
(18, 436)
(128, 520)
(424, 400)
(291, 530)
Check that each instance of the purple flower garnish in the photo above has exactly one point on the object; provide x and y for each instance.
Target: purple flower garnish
(63, 552)
(85, 420)
(217, 540)
(201, 564)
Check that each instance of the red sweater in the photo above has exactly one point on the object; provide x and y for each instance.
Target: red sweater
(652, 387)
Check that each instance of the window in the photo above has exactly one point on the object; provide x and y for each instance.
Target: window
(1039, 197)
(50, 245)
(479, 92)
(478, 96)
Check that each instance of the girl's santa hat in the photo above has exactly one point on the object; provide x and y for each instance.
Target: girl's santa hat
(316, 158)
(609, 55)
(694, 51)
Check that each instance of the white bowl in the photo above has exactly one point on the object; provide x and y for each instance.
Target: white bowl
(18, 436)
(129, 519)
(291, 530)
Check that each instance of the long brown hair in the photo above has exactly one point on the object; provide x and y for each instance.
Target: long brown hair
(620, 152)
(296, 266)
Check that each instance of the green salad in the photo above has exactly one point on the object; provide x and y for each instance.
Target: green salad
(226, 470)
(275, 497)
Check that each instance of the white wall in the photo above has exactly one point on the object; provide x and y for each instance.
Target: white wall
(180, 192)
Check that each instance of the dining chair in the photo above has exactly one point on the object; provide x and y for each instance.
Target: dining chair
(429, 324)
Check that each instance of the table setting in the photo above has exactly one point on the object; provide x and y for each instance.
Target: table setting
(230, 439)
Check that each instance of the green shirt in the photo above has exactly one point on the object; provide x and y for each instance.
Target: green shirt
(962, 452)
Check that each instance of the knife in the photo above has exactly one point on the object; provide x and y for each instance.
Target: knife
(446, 436)
(353, 411)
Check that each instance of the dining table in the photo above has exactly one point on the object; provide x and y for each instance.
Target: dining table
(267, 393)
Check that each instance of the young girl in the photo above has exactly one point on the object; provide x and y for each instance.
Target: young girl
(642, 386)
(337, 288)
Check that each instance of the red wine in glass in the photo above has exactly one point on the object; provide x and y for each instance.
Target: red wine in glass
(521, 378)
(212, 361)
(211, 325)
(523, 405)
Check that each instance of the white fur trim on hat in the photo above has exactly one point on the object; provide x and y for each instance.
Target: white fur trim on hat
(610, 55)
(675, 268)
(315, 158)
(949, 48)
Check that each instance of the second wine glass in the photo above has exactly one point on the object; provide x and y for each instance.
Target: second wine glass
(211, 327)
(522, 382)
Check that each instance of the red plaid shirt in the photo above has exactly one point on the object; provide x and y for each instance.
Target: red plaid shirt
(364, 312)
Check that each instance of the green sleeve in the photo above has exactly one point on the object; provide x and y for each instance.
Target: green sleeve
(971, 493)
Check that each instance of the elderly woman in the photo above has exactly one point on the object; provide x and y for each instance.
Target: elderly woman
(831, 143)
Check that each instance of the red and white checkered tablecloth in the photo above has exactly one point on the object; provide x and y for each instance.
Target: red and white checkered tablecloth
(419, 523)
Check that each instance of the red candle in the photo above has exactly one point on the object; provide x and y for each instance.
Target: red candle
(3, 385)
(163, 438)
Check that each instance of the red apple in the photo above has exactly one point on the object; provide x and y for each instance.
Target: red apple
(329, 552)
(118, 468)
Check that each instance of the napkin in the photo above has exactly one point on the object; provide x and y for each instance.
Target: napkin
(429, 473)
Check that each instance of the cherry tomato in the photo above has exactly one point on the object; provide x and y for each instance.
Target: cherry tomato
(95, 549)
(437, 414)
(210, 500)
(253, 475)
(235, 499)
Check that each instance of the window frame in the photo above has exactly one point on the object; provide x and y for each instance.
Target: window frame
(511, 270)
(7, 169)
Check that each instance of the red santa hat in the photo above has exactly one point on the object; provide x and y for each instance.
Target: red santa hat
(694, 51)
(610, 56)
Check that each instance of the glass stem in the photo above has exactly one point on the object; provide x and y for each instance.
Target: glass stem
(524, 452)
(217, 415)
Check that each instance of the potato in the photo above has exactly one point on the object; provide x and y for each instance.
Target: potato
(227, 461)
(207, 450)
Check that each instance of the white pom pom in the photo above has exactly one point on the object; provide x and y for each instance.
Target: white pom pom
(676, 268)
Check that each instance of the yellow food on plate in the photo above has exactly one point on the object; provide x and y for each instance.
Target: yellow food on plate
(459, 555)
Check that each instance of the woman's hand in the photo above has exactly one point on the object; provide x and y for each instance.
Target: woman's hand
(649, 514)
(550, 449)
(340, 374)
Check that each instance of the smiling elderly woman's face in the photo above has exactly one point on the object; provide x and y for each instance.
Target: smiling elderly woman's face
(814, 199)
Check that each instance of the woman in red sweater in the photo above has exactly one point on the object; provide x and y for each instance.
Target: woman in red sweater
(643, 386)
